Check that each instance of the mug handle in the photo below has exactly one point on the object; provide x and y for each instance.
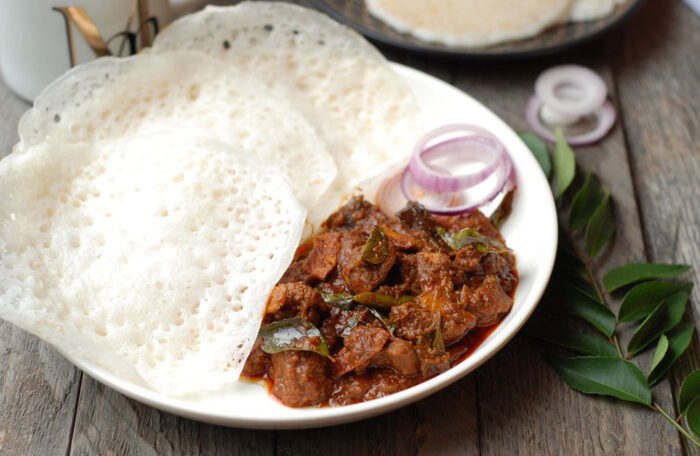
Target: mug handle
(179, 7)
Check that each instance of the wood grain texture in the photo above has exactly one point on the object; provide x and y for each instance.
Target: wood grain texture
(514, 404)
(445, 424)
(658, 75)
(108, 423)
(515, 416)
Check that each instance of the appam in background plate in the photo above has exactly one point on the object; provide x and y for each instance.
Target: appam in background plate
(531, 231)
(354, 14)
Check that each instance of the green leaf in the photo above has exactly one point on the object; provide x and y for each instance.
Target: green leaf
(377, 246)
(585, 202)
(539, 150)
(292, 334)
(659, 353)
(689, 391)
(605, 375)
(641, 300)
(678, 342)
(575, 302)
(631, 273)
(570, 265)
(585, 287)
(343, 301)
(693, 416)
(579, 342)
(601, 227)
(468, 236)
(382, 319)
(502, 212)
(666, 315)
(564, 163)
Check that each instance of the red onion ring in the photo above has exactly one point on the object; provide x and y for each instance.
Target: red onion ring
(591, 96)
(605, 115)
(429, 178)
(460, 204)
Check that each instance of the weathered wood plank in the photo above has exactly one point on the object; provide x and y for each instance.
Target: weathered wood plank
(108, 423)
(38, 388)
(524, 408)
(658, 74)
(445, 423)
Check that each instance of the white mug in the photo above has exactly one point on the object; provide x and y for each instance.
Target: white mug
(41, 39)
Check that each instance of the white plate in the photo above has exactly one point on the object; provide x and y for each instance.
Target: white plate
(531, 231)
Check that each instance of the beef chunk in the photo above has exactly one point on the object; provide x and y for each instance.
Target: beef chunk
(258, 361)
(415, 216)
(476, 221)
(433, 360)
(323, 255)
(400, 356)
(501, 266)
(288, 300)
(468, 260)
(356, 213)
(487, 302)
(374, 384)
(340, 322)
(360, 276)
(456, 322)
(300, 378)
(296, 273)
(434, 271)
(360, 346)
(413, 321)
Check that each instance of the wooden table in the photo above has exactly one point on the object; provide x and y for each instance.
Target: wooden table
(514, 404)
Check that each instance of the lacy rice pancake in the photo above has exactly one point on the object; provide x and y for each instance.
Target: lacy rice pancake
(475, 23)
(152, 257)
(340, 83)
(113, 98)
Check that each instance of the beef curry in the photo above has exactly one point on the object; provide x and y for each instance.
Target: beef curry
(376, 304)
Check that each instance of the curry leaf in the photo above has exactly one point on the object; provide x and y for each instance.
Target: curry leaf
(606, 375)
(570, 265)
(575, 302)
(641, 300)
(678, 342)
(343, 301)
(579, 342)
(377, 248)
(503, 210)
(631, 273)
(666, 315)
(539, 150)
(601, 227)
(584, 287)
(468, 236)
(659, 354)
(564, 163)
(693, 416)
(382, 319)
(292, 334)
(585, 202)
(689, 391)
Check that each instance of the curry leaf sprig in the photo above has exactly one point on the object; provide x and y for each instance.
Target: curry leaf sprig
(652, 302)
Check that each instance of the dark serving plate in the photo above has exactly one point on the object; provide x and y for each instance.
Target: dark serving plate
(355, 14)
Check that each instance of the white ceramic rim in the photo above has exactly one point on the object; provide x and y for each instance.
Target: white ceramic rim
(546, 224)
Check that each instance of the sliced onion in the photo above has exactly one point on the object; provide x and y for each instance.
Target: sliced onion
(471, 145)
(391, 198)
(463, 201)
(590, 93)
(605, 116)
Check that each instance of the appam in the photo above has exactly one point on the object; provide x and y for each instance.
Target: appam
(340, 83)
(151, 257)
